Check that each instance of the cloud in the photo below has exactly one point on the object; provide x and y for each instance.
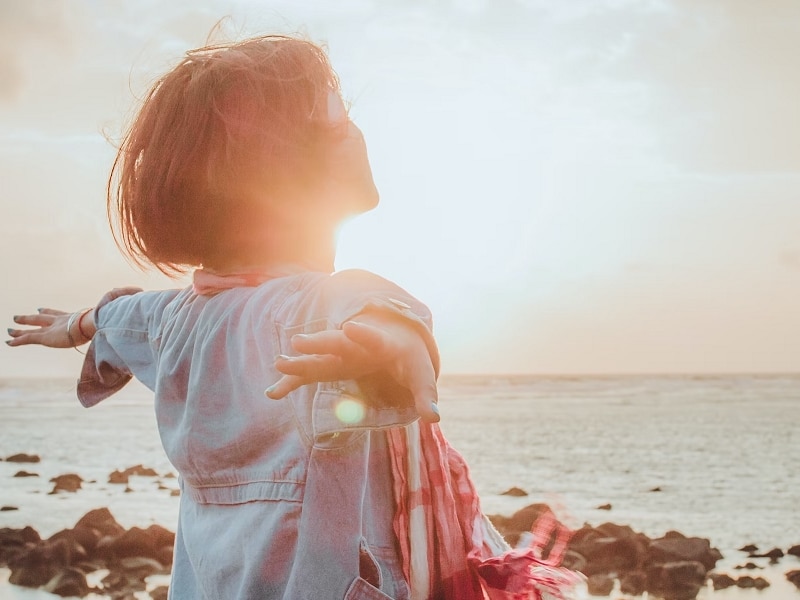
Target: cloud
(724, 85)
(25, 28)
(715, 83)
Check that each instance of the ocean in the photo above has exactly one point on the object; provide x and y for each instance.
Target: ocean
(709, 456)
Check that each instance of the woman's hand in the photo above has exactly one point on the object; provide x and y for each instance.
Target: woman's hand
(51, 329)
(373, 343)
(59, 329)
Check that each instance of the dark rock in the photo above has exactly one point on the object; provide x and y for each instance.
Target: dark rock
(609, 548)
(103, 550)
(682, 549)
(794, 577)
(721, 581)
(25, 474)
(141, 471)
(118, 477)
(175, 493)
(14, 541)
(141, 567)
(616, 531)
(674, 535)
(599, 585)
(524, 518)
(83, 540)
(773, 554)
(748, 565)
(66, 483)
(161, 536)
(36, 566)
(611, 556)
(585, 534)
(137, 542)
(102, 520)
(159, 593)
(514, 491)
(133, 572)
(745, 582)
(680, 580)
(761, 583)
(574, 561)
(137, 470)
(68, 582)
(794, 551)
(26, 535)
(656, 489)
(8, 508)
(122, 584)
(633, 583)
(749, 548)
(24, 458)
(97, 542)
(511, 527)
(604, 507)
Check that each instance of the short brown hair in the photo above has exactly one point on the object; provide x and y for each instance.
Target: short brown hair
(223, 113)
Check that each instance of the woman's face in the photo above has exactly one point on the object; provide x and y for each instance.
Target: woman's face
(351, 174)
(349, 171)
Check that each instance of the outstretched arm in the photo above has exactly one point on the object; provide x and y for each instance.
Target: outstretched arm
(54, 328)
(371, 343)
(59, 329)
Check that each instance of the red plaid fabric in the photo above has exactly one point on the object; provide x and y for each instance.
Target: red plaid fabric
(450, 550)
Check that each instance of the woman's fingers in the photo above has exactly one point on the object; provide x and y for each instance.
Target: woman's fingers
(421, 382)
(49, 328)
(358, 349)
(371, 339)
(21, 337)
(314, 367)
(285, 385)
(15, 333)
(331, 341)
(413, 368)
(40, 319)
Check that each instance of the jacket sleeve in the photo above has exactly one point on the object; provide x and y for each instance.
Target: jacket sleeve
(125, 344)
(358, 292)
(382, 402)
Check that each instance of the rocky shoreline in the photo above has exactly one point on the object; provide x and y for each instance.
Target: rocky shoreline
(672, 567)
(60, 564)
(121, 561)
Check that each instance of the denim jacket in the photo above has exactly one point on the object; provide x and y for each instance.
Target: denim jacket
(283, 499)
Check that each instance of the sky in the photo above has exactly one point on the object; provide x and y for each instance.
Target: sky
(572, 186)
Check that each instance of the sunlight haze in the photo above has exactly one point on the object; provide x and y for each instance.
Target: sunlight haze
(582, 186)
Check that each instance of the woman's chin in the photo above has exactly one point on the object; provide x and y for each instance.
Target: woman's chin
(371, 199)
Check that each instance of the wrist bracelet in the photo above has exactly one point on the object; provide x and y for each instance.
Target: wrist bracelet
(80, 323)
(70, 323)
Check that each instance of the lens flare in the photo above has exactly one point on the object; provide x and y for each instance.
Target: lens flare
(349, 411)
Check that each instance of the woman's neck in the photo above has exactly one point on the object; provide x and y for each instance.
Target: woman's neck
(283, 250)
